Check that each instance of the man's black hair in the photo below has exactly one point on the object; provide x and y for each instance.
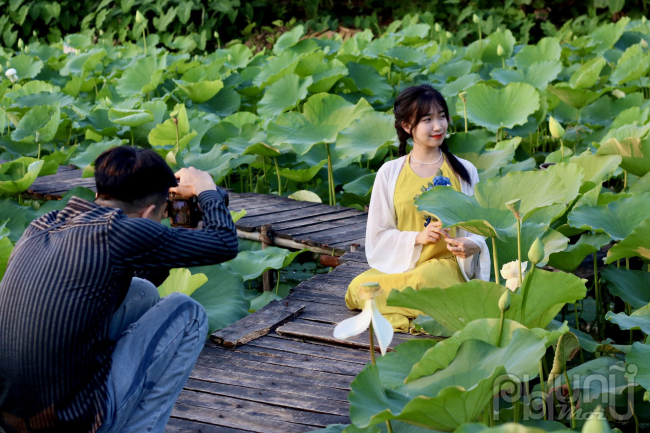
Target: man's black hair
(136, 177)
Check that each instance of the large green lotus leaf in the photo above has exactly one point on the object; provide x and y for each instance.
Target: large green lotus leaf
(276, 68)
(630, 116)
(405, 56)
(61, 156)
(323, 117)
(80, 64)
(459, 85)
(252, 264)
(552, 240)
(288, 39)
(366, 135)
(490, 52)
(165, 134)
(32, 88)
(130, 118)
(326, 74)
(38, 125)
(641, 185)
(632, 65)
(17, 177)
(458, 305)
(202, 91)
(361, 186)
(241, 146)
(571, 175)
(489, 163)
(631, 286)
(517, 101)
(618, 219)
(453, 395)
(44, 99)
(216, 162)
(587, 75)
(537, 75)
(222, 296)
(640, 357)
(283, 95)
(576, 98)
(142, 76)
(25, 66)
(636, 244)
(86, 157)
(6, 247)
(181, 281)
(570, 259)
(639, 319)
(224, 103)
(486, 330)
(366, 80)
(597, 168)
(511, 427)
(546, 49)
(605, 36)
(303, 175)
(635, 153)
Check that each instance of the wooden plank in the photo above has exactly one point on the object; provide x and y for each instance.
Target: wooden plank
(360, 242)
(178, 425)
(335, 353)
(318, 228)
(342, 235)
(285, 229)
(314, 403)
(256, 325)
(276, 207)
(327, 313)
(301, 214)
(321, 298)
(357, 257)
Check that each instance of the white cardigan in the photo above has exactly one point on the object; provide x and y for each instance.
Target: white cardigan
(392, 251)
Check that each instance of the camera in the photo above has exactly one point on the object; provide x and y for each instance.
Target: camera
(184, 211)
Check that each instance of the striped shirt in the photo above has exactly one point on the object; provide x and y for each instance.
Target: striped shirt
(58, 296)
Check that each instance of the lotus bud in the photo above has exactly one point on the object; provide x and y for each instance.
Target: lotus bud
(36, 205)
(618, 93)
(536, 252)
(223, 148)
(21, 44)
(646, 396)
(504, 301)
(108, 101)
(11, 74)
(644, 43)
(448, 35)
(476, 19)
(101, 32)
(500, 51)
(35, 33)
(513, 206)
(437, 28)
(597, 422)
(216, 35)
(27, 49)
(139, 18)
(644, 19)
(556, 129)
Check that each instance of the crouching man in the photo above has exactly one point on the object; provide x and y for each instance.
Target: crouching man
(84, 346)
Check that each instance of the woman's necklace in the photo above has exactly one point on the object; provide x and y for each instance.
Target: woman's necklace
(428, 163)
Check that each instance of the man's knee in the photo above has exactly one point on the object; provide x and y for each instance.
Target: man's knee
(144, 291)
(181, 302)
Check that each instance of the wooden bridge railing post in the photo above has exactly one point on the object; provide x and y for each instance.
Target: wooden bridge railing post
(267, 241)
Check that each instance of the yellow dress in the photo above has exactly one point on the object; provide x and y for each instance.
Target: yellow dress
(437, 266)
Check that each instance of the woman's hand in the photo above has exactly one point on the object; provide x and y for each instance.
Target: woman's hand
(431, 233)
(462, 247)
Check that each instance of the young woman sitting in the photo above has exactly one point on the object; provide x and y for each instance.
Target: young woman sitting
(402, 251)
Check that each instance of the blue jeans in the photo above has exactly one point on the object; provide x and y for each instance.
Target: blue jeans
(158, 342)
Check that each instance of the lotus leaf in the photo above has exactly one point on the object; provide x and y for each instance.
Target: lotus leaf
(640, 356)
(252, 264)
(636, 244)
(80, 64)
(458, 305)
(545, 50)
(181, 281)
(325, 75)
(362, 186)
(405, 56)
(597, 168)
(366, 80)
(618, 219)
(459, 85)
(216, 162)
(304, 175)
(607, 35)
(570, 259)
(222, 296)
(143, 76)
(166, 133)
(576, 98)
(25, 66)
(288, 39)
(323, 117)
(631, 286)
(511, 427)
(6, 247)
(571, 175)
(276, 68)
(639, 319)
(490, 53)
(587, 75)
(38, 125)
(453, 395)
(201, 91)
(130, 118)
(635, 153)
(262, 301)
(304, 195)
(538, 75)
(16, 177)
(517, 101)
(365, 136)
(283, 95)
(632, 65)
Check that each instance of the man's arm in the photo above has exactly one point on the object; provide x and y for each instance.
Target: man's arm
(140, 243)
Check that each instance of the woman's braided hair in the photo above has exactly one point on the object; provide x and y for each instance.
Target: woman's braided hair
(410, 107)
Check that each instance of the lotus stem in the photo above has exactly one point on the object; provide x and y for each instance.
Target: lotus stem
(496, 262)
(515, 416)
(543, 386)
(636, 420)
(372, 345)
(264, 169)
(597, 294)
(330, 176)
(524, 293)
(491, 411)
(277, 170)
(133, 141)
(39, 151)
(501, 320)
(144, 40)
(573, 404)
(562, 149)
(624, 180)
(465, 111)
(519, 246)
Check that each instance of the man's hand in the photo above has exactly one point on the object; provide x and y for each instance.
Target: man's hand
(192, 182)
(462, 247)
(431, 233)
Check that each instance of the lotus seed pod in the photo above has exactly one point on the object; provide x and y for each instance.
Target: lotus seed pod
(437, 27)
(476, 19)
(513, 205)
(504, 301)
(500, 51)
(536, 252)
(618, 93)
(139, 18)
(556, 129)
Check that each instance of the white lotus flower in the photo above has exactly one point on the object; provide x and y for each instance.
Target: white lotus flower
(510, 272)
(11, 74)
(370, 314)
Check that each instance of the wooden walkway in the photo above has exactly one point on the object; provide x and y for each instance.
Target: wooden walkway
(295, 224)
(296, 378)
